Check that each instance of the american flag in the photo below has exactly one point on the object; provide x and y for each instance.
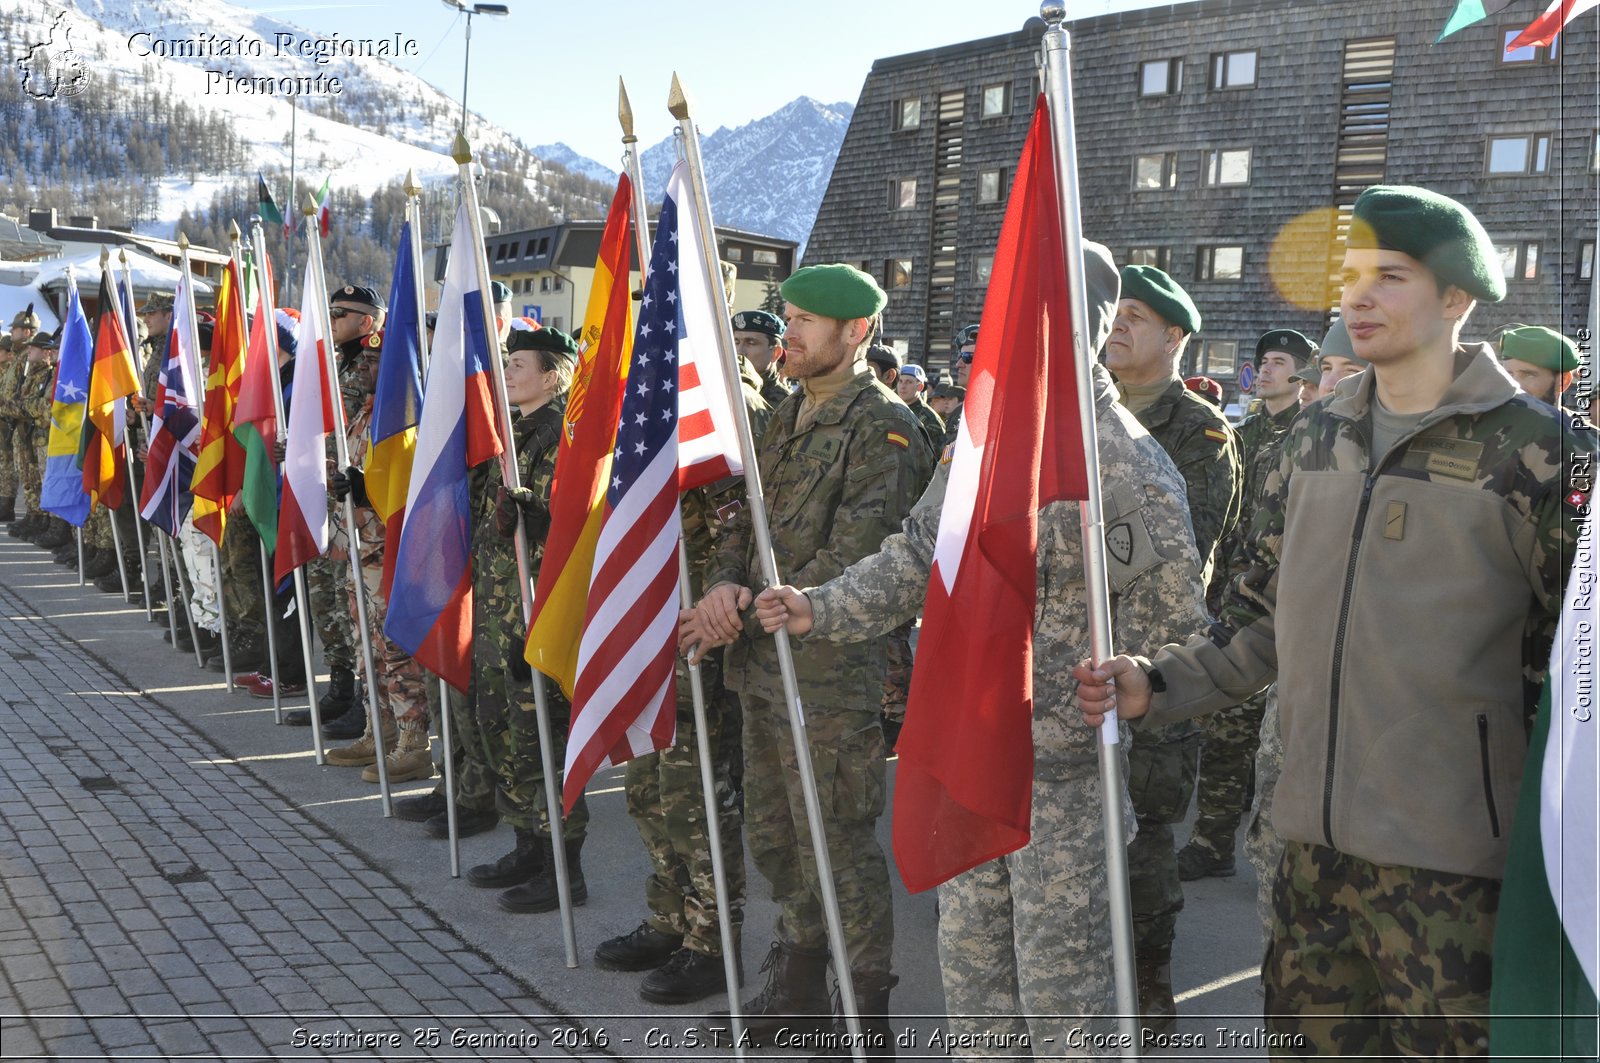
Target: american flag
(624, 702)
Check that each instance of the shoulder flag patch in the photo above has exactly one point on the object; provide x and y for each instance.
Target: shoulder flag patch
(1217, 435)
(1576, 499)
(948, 455)
(898, 440)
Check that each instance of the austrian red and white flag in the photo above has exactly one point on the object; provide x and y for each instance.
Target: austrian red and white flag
(962, 794)
(303, 510)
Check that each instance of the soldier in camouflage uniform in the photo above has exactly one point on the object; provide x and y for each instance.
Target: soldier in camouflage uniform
(1024, 944)
(681, 941)
(841, 463)
(758, 339)
(911, 385)
(11, 366)
(1228, 754)
(34, 404)
(538, 374)
(1155, 319)
(1404, 736)
(357, 323)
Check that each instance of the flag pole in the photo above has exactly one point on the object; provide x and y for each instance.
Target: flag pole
(1057, 46)
(730, 957)
(678, 105)
(341, 446)
(177, 561)
(78, 531)
(258, 244)
(413, 189)
(461, 151)
(116, 535)
(133, 339)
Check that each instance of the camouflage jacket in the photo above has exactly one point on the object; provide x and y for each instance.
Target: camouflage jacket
(707, 511)
(36, 398)
(358, 376)
(932, 424)
(1205, 449)
(497, 597)
(1153, 569)
(1259, 435)
(772, 388)
(11, 373)
(832, 492)
(1406, 610)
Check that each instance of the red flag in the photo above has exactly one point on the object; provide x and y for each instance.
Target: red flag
(219, 470)
(963, 791)
(1542, 30)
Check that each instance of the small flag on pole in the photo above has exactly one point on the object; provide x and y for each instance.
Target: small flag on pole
(303, 511)
(62, 492)
(175, 433)
(396, 408)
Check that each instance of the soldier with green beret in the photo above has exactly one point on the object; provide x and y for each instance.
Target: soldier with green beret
(758, 339)
(1541, 360)
(1409, 635)
(1155, 318)
(841, 462)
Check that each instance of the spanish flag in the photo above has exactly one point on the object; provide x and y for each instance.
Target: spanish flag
(583, 464)
(112, 378)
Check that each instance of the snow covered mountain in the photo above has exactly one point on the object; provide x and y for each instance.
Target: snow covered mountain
(766, 176)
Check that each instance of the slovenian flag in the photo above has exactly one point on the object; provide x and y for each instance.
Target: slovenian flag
(62, 492)
(430, 607)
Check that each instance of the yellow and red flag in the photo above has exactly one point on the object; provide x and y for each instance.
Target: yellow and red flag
(583, 464)
(219, 472)
(112, 378)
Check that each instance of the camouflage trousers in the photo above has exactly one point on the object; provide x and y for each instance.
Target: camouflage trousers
(847, 753)
(328, 588)
(1368, 960)
(666, 799)
(1161, 773)
(26, 460)
(1024, 942)
(1262, 846)
(509, 717)
(200, 558)
(469, 760)
(241, 582)
(8, 465)
(897, 676)
(1227, 758)
(97, 530)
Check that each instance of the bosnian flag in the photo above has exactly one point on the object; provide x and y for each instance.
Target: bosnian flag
(430, 604)
(964, 789)
(303, 509)
(164, 499)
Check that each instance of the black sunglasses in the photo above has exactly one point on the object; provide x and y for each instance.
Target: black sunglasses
(964, 356)
(339, 312)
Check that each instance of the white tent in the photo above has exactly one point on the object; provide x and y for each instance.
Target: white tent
(14, 298)
(149, 274)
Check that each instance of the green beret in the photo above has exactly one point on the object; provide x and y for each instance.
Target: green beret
(502, 292)
(1539, 346)
(551, 340)
(1162, 294)
(1433, 229)
(758, 321)
(836, 290)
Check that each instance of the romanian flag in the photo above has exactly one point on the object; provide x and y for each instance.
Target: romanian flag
(255, 418)
(583, 464)
(430, 611)
(396, 407)
(63, 493)
(112, 378)
(219, 470)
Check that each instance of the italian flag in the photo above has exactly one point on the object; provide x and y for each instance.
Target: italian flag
(1546, 965)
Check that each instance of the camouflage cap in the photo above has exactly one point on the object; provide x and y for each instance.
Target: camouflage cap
(947, 390)
(1307, 374)
(26, 318)
(1433, 229)
(1155, 289)
(1337, 344)
(758, 321)
(156, 302)
(1539, 346)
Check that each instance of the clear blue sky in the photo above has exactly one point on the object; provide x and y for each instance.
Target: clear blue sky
(549, 71)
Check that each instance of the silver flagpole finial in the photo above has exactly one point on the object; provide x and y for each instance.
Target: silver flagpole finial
(1054, 12)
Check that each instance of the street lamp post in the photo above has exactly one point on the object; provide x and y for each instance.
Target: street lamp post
(466, 67)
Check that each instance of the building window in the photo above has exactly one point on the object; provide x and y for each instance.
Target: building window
(1233, 70)
(1586, 260)
(1160, 77)
(1519, 153)
(530, 251)
(991, 185)
(544, 284)
(996, 101)
(1158, 172)
(764, 257)
(733, 254)
(1529, 53)
(903, 193)
(897, 273)
(1159, 257)
(555, 284)
(1519, 260)
(544, 245)
(1223, 168)
(907, 114)
(1218, 358)
(1219, 263)
(984, 267)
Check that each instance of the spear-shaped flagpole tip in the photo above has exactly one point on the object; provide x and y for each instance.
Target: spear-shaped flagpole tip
(311, 205)
(460, 150)
(625, 112)
(1054, 12)
(105, 256)
(412, 187)
(677, 99)
(123, 255)
(233, 231)
(183, 242)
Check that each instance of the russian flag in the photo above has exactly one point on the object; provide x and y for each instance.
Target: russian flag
(430, 605)
(396, 408)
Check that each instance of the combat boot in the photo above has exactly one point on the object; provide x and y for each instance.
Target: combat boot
(352, 719)
(539, 894)
(877, 1037)
(795, 996)
(410, 760)
(469, 821)
(56, 535)
(8, 509)
(339, 698)
(687, 976)
(362, 750)
(522, 863)
(643, 948)
(66, 555)
(1158, 1012)
(1196, 861)
(22, 529)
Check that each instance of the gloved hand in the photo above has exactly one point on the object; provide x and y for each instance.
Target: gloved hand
(506, 504)
(517, 664)
(349, 481)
